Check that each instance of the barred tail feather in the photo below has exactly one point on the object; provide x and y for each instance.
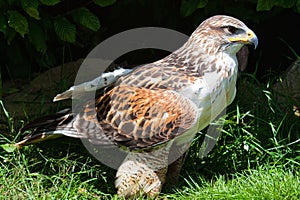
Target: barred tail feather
(47, 127)
(49, 122)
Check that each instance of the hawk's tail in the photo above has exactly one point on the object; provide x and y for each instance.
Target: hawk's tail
(47, 127)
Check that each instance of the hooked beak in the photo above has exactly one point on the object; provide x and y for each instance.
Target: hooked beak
(250, 38)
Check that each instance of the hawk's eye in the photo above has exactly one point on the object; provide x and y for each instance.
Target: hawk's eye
(231, 29)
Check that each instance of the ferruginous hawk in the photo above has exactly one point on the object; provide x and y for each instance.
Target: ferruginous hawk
(155, 107)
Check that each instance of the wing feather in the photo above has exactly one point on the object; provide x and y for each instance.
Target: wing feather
(143, 118)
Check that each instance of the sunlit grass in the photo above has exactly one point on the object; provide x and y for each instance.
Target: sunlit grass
(266, 182)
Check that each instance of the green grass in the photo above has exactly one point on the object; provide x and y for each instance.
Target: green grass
(26, 177)
(263, 183)
(256, 157)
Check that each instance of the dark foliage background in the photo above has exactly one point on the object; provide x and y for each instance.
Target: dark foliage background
(36, 35)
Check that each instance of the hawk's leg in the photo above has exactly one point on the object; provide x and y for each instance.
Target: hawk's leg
(174, 171)
(142, 173)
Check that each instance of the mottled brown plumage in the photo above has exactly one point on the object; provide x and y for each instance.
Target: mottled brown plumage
(160, 106)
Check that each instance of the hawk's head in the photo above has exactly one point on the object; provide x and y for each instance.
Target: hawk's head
(222, 33)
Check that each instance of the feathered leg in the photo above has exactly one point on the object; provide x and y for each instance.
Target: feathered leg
(142, 173)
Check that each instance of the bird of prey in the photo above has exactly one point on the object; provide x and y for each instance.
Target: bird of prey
(151, 109)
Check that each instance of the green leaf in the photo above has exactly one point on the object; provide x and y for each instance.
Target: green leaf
(104, 3)
(31, 8)
(202, 3)
(18, 22)
(37, 37)
(9, 147)
(32, 12)
(263, 5)
(49, 2)
(3, 25)
(188, 7)
(86, 18)
(298, 6)
(65, 30)
(285, 3)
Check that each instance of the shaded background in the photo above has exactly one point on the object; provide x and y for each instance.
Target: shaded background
(49, 41)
